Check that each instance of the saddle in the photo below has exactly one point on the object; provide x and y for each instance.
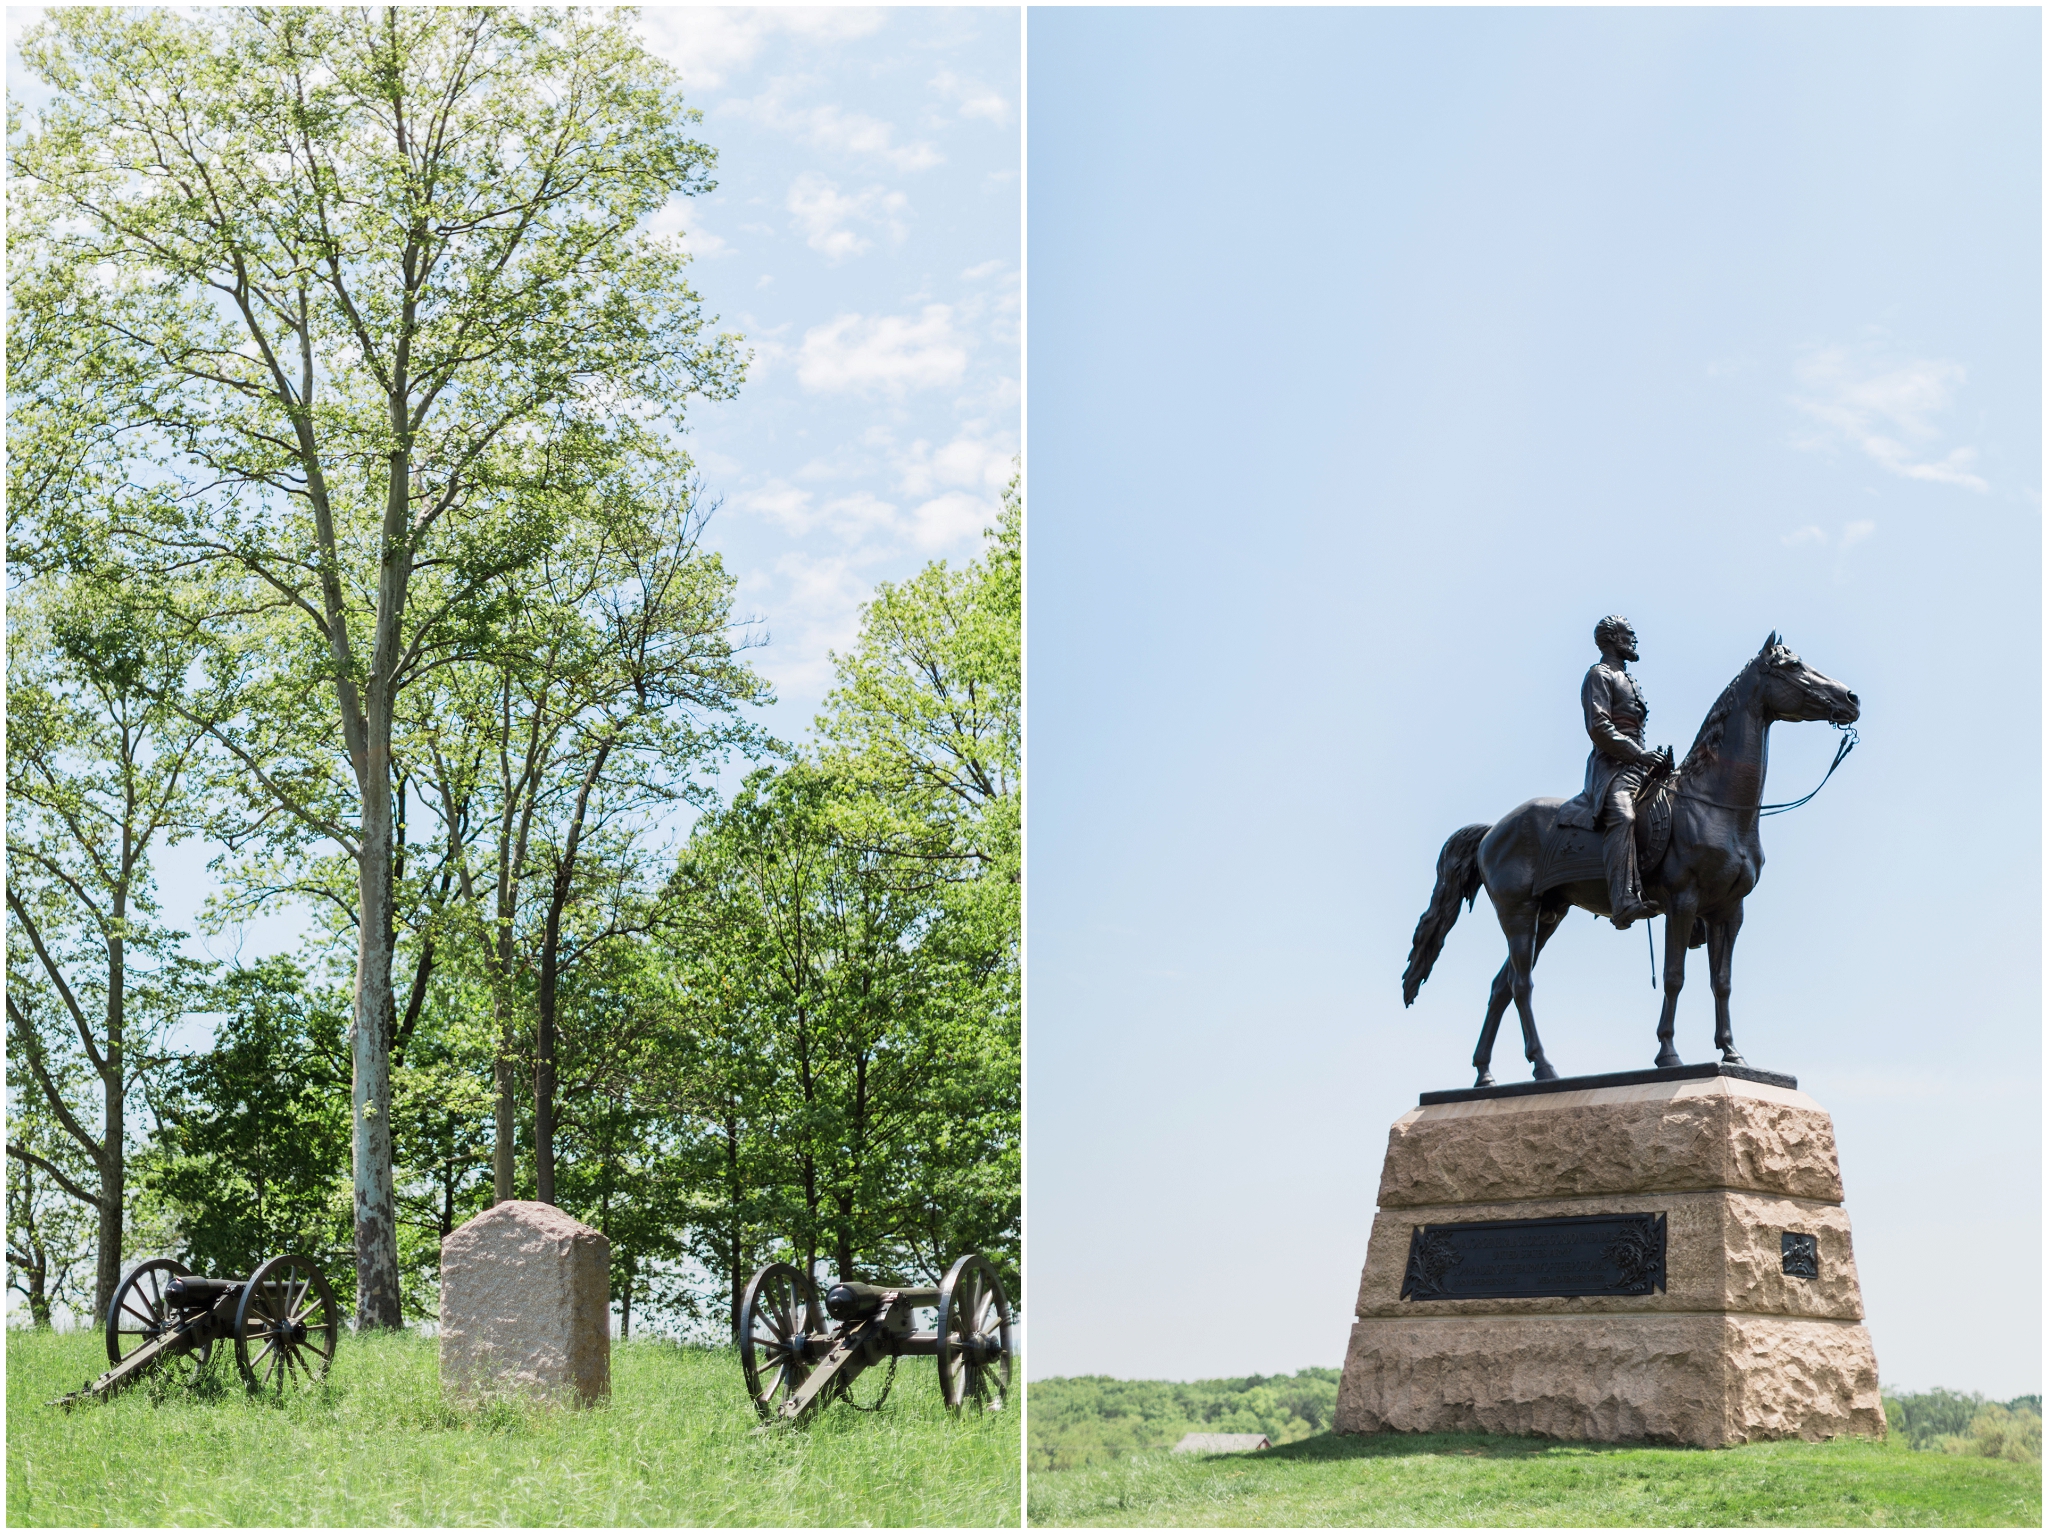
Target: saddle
(1570, 854)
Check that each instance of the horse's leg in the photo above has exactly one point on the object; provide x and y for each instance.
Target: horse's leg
(1677, 927)
(1503, 992)
(1496, 1008)
(1526, 929)
(1721, 966)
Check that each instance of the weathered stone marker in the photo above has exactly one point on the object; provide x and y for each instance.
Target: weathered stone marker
(526, 1305)
(1666, 1259)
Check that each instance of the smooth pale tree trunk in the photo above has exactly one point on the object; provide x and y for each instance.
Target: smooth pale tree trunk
(114, 1097)
(372, 1023)
(375, 1018)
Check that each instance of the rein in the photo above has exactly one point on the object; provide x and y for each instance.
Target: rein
(1842, 751)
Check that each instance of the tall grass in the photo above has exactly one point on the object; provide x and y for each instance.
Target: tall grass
(378, 1445)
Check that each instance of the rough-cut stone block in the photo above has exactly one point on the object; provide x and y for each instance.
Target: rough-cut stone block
(1722, 1251)
(1716, 1133)
(1733, 1349)
(1709, 1380)
(526, 1305)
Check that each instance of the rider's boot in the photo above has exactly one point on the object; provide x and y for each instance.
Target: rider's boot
(1624, 889)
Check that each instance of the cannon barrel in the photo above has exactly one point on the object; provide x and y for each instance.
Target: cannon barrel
(190, 1293)
(854, 1302)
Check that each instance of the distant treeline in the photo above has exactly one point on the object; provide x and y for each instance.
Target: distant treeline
(1951, 1422)
(1094, 1419)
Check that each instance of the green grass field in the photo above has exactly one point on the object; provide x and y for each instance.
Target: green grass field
(1484, 1481)
(377, 1445)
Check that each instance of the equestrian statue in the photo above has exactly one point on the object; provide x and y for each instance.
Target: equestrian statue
(1642, 839)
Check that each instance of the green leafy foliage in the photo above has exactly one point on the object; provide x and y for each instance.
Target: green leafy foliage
(251, 1154)
(1093, 1419)
(1952, 1422)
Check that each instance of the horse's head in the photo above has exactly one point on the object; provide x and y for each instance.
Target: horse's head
(1793, 690)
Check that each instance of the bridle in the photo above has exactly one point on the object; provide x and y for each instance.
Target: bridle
(1848, 744)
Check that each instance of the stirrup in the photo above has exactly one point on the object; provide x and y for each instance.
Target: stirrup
(1633, 912)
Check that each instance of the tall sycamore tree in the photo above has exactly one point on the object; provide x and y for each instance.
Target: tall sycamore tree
(369, 289)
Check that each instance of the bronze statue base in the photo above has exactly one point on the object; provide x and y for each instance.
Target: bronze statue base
(1659, 1256)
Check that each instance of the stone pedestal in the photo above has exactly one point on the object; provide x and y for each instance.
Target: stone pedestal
(526, 1305)
(1735, 1341)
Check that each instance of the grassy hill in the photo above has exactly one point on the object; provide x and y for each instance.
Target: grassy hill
(675, 1445)
(1098, 1456)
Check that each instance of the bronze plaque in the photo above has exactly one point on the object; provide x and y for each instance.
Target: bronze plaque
(1536, 1259)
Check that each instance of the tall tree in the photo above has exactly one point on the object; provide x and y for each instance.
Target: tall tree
(52, 1233)
(371, 287)
(616, 683)
(103, 733)
(925, 725)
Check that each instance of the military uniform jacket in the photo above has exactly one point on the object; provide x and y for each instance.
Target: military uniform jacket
(1615, 711)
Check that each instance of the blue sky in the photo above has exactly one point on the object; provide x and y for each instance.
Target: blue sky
(1374, 356)
(864, 237)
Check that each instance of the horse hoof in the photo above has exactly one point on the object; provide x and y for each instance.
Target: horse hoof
(1544, 1072)
(1667, 1058)
(1730, 1057)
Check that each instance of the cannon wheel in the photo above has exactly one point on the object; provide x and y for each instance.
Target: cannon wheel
(140, 1314)
(782, 1327)
(975, 1340)
(286, 1325)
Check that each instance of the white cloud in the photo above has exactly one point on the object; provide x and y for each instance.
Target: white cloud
(779, 502)
(986, 269)
(949, 519)
(970, 461)
(682, 216)
(1886, 410)
(856, 517)
(972, 97)
(887, 353)
(824, 214)
(1852, 533)
(708, 44)
(836, 130)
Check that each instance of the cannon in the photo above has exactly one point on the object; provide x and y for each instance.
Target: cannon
(798, 1353)
(282, 1321)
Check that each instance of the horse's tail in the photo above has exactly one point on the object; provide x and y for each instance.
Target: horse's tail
(1457, 879)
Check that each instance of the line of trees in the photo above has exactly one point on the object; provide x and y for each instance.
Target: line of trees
(348, 533)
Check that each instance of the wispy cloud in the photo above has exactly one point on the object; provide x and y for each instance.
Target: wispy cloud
(680, 216)
(825, 215)
(1811, 536)
(707, 45)
(1887, 410)
(835, 130)
(973, 460)
(971, 97)
(883, 354)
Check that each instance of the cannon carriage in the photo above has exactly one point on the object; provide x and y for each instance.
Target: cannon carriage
(281, 1321)
(798, 1353)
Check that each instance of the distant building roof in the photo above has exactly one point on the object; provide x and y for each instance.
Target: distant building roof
(1222, 1443)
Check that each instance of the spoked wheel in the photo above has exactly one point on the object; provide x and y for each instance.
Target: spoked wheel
(782, 1335)
(975, 1341)
(286, 1325)
(140, 1314)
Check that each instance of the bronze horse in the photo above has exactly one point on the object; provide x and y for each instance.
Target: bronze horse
(1712, 861)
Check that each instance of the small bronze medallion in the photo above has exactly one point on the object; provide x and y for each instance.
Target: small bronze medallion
(1801, 1254)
